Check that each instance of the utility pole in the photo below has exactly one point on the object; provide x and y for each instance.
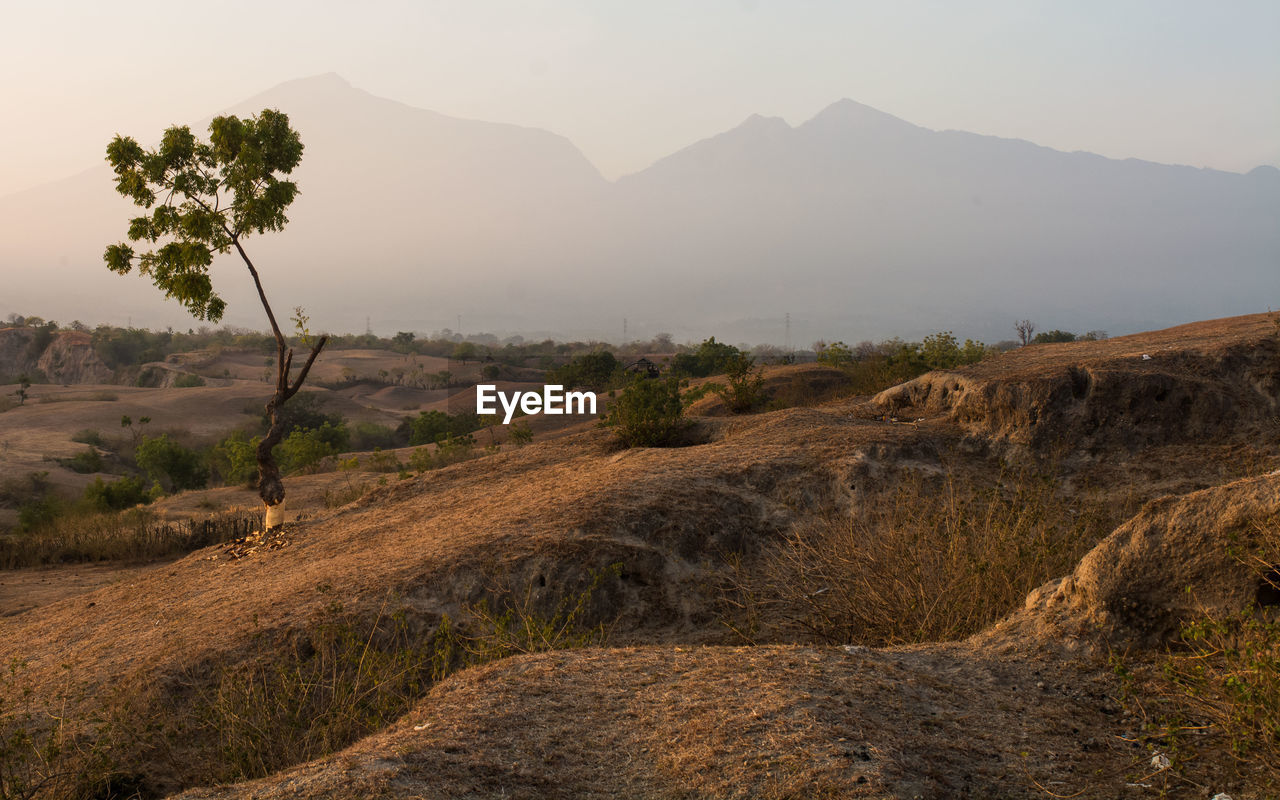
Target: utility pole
(624, 330)
(788, 331)
(368, 329)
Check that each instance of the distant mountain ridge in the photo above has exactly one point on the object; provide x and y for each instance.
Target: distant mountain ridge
(856, 222)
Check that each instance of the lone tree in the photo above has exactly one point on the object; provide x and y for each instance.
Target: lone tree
(1025, 329)
(205, 199)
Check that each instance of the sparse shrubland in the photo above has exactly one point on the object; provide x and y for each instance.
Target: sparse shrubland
(347, 674)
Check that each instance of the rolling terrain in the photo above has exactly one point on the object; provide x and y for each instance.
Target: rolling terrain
(1169, 438)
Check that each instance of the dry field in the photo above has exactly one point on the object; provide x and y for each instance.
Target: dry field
(700, 693)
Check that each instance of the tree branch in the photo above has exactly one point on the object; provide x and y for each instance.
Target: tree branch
(302, 376)
(257, 282)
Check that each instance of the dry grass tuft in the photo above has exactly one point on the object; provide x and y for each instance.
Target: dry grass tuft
(928, 560)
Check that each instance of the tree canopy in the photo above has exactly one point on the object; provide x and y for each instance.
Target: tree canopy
(203, 198)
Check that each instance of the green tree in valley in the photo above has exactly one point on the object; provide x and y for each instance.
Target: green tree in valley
(204, 199)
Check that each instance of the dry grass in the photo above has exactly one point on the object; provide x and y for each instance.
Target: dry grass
(941, 720)
(932, 559)
(346, 675)
(129, 536)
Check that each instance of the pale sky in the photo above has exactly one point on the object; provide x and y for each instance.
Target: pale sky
(629, 82)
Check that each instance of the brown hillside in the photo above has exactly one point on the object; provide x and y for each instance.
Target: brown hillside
(1000, 716)
(1191, 383)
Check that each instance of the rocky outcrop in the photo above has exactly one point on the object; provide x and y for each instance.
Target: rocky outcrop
(68, 357)
(1180, 558)
(1054, 398)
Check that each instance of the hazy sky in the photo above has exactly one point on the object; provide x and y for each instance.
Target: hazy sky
(629, 82)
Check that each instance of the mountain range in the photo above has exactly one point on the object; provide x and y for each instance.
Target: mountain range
(856, 223)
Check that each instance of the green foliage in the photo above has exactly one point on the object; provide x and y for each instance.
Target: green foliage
(938, 351)
(368, 435)
(649, 413)
(433, 426)
(203, 198)
(520, 433)
(465, 351)
(41, 339)
(1053, 337)
(384, 461)
(188, 381)
(490, 372)
(596, 371)
(305, 411)
(39, 512)
(745, 390)
(117, 495)
(175, 467)
(85, 462)
(24, 383)
(235, 459)
(835, 354)
(123, 347)
(305, 448)
(711, 358)
(402, 341)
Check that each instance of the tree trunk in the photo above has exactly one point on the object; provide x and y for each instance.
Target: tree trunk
(270, 485)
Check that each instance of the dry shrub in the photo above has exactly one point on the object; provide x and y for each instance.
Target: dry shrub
(927, 560)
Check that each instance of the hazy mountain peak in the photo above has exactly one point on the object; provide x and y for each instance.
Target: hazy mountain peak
(846, 113)
(760, 122)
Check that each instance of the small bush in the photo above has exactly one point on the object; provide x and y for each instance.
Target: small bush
(117, 495)
(711, 358)
(84, 463)
(187, 381)
(432, 426)
(88, 436)
(368, 435)
(649, 413)
(745, 391)
(383, 461)
(595, 371)
(175, 467)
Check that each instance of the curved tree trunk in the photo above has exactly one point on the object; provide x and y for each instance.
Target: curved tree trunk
(270, 485)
